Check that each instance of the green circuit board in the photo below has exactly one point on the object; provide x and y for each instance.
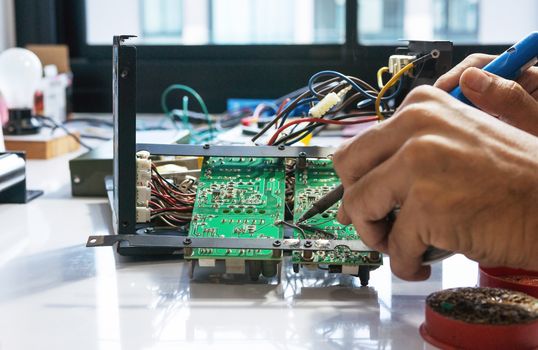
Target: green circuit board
(239, 197)
(311, 183)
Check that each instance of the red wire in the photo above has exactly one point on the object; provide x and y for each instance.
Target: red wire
(170, 189)
(284, 103)
(155, 204)
(318, 120)
(170, 200)
(165, 192)
(156, 211)
(168, 186)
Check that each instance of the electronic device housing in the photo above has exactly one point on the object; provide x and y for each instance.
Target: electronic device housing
(141, 239)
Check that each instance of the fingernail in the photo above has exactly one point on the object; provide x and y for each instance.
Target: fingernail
(476, 80)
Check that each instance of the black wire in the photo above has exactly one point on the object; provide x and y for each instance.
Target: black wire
(177, 211)
(95, 137)
(94, 121)
(56, 125)
(314, 125)
(293, 226)
(292, 95)
(106, 123)
(233, 118)
(166, 181)
(290, 106)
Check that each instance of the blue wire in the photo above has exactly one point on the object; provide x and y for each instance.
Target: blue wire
(355, 86)
(270, 105)
(368, 102)
(361, 104)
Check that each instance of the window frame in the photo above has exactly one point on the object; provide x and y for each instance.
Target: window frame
(215, 51)
(218, 72)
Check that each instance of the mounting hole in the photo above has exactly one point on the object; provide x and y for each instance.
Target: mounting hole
(325, 215)
(125, 223)
(435, 53)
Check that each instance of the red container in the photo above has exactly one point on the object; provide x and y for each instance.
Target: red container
(496, 277)
(448, 333)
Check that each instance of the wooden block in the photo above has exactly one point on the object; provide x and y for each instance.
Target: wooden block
(52, 54)
(43, 145)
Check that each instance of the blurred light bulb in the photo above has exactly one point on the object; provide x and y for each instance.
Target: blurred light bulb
(20, 74)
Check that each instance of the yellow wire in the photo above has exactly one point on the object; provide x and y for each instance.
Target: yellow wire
(387, 86)
(380, 73)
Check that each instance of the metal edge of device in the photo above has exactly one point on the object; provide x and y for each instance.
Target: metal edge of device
(432, 255)
(209, 150)
(124, 116)
(232, 243)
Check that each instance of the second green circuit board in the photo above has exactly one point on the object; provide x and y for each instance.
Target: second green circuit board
(311, 183)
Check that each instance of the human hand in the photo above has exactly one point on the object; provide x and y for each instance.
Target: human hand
(465, 182)
(515, 102)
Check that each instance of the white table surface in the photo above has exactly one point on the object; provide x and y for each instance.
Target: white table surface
(57, 294)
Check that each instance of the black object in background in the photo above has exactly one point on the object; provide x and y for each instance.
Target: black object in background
(13, 179)
(22, 122)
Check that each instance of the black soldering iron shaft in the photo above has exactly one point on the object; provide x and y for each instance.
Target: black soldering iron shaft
(324, 203)
(430, 256)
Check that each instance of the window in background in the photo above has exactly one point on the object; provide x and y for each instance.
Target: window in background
(277, 21)
(456, 20)
(461, 21)
(201, 22)
(380, 21)
(162, 20)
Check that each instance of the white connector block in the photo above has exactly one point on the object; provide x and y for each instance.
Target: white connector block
(235, 266)
(342, 93)
(143, 214)
(397, 62)
(142, 154)
(143, 169)
(143, 189)
(143, 178)
(350, 270)
(323, 106)
(143, 195)
(206, 262)
(143, 164)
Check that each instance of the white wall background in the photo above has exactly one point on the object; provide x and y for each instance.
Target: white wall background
(503, 21)
(108, 18)
(7, 24)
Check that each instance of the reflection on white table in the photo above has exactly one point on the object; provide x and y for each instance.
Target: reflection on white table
(57, 294)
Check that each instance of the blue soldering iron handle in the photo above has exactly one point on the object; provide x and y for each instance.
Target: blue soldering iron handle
(511, 63)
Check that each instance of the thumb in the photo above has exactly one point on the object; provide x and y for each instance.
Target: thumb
(342, 216)
(502, 98)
